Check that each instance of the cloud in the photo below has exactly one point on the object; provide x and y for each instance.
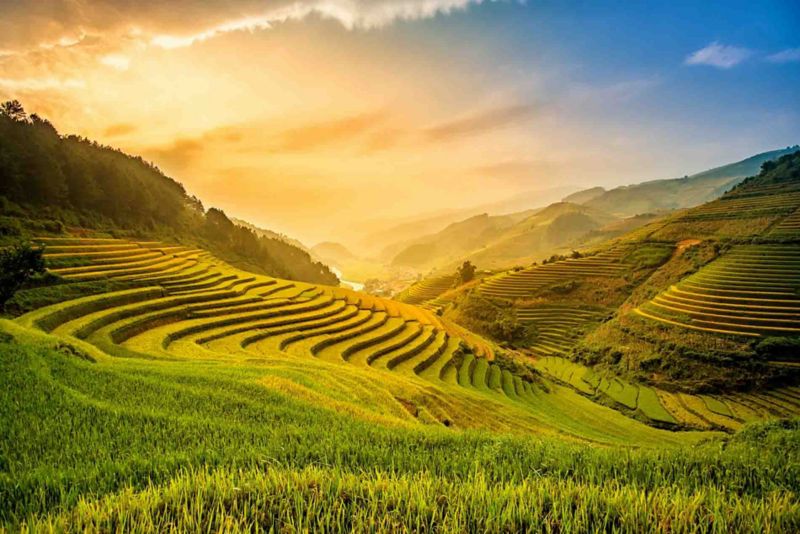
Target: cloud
(361, 14)
(479, 123)
(40, 84)
(719, 56)
(383, 139)
(116, 61)
(60, 23)
(177, 155)
(116, 130)
(790, 55)
(316, 135)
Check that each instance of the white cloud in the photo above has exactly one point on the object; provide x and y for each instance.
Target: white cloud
(351, 14)
(719, 55)
(116, 61)
(789, 55)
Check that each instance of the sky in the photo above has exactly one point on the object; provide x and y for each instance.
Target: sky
(315, 117)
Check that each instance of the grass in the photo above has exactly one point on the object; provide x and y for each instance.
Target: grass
(144, 444)
(318, 499)
(143, 409)
(664, 409)
(32, 298)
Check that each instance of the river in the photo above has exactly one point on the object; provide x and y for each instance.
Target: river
(346, 283)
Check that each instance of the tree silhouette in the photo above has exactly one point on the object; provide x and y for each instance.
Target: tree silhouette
(14, 110)
(466, 272)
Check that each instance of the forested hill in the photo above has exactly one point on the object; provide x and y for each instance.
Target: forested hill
(72, 181)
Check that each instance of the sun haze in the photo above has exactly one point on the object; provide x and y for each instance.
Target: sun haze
(385, 108)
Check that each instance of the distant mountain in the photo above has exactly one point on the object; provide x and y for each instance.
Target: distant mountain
(455, 241)
(391, 239)
(665, 195)
(584, 196)
(557, 228)
(332, 253)
(583, 218)
(264, 232)
(504, 240)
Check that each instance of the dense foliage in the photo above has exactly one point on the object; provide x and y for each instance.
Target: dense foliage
(17, 265)
(491, 318)
(466, 272)
(78, 182)
(784, 169)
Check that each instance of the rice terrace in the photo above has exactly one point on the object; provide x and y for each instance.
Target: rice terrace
(423, 266)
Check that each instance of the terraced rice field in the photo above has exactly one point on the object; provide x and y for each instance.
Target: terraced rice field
(747, 201)
(752, 290)
(523, 284)
(558, 327)
(788, 227)
(704, 412)
(381, 359)
(427, 290)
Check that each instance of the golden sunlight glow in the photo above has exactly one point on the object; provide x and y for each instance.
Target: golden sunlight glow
(279, 120)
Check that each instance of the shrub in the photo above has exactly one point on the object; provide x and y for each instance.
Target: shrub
(10, 227)
(779, 348)
(17, 265)
(53, 227)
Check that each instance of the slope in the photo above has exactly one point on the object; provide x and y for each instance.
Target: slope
(50, 182)
(492, 241)
(664, 195)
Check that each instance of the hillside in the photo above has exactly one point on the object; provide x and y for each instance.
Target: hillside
(581, 197)
(504, 240)
(332, 253)
(49, 182)
(678, 193)
(386, 242)
(582, 220)
(264, 232)
(702, 301)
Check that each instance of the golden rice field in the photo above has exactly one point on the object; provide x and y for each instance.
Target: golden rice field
(386, 359)
(427, 290)
(206, 397)
(377, 358)
(524, 283)
(751, 290)
(663, 408)
(558, 327)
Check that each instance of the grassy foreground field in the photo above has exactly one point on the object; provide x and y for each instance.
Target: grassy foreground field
(198, 397)
(146, 446)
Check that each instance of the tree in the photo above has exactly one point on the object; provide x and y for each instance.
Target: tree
(17, 265)
(466, 272)
(14, 110)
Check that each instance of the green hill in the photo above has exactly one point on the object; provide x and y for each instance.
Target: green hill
(703, 300)
(504, 240)
(49, 182)
(678, 193)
